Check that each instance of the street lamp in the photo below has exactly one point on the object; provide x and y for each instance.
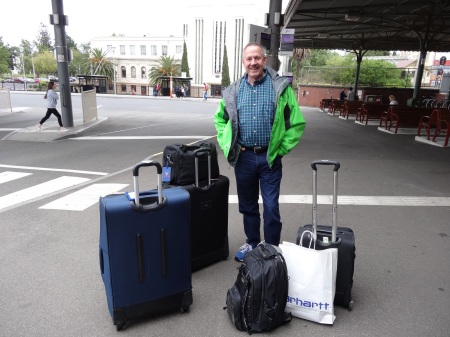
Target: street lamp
(32, 62)
(23, 69)
(113, 49)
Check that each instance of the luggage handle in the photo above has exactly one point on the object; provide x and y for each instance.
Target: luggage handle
(161, 200)
(337, 165)
(196, 154)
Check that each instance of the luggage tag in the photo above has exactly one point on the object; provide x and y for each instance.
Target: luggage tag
(130, 195)
(166, 171)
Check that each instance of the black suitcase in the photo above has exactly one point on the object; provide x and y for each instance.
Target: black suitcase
(208, 216)
(341, 238)
(144, 251)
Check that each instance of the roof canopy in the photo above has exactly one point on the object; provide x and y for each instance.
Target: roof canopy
(409, 25)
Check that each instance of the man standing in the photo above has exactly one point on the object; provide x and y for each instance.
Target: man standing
(350, 95)
(342, 95)
(258, 121)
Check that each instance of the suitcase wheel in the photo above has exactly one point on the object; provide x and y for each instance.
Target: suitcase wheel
(121, 326)
(350, 306)
(185, 310)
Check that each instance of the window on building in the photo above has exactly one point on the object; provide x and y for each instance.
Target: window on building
(185, 30)
(143, 50)
(132, 50)
(122, 49)
(124, 87)
(179, 49)
(143, 72)
(133, 72)
(163, 50)
(124, 71)
(219, 42)
(133, 89)
(154, 50)
(109, 48)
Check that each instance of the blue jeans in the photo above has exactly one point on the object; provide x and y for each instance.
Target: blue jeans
(252, 173)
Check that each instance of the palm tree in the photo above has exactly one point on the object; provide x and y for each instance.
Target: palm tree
(99, 64)
(166, 66)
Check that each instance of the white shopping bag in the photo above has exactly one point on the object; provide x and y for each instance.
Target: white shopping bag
(312, 282)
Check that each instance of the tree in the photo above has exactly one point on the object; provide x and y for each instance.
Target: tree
(78, 65)
(99, 64)
(45, 63)
(4, 58)
(43, 41)
(166, 66)
(299, 54)
(184, 61)
(225, 69)
(71, 43)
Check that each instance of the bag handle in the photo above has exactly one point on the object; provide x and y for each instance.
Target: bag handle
(196, 154)
(312, 238)
(337, 165)
(136, 204)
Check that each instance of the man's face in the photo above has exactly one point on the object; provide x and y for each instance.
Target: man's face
(254, 61)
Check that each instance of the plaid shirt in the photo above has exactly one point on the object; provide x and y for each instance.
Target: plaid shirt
(256, 110)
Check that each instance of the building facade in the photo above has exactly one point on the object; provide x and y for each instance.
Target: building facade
(205, 28)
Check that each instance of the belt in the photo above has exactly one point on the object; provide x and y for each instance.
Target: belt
(254, 149)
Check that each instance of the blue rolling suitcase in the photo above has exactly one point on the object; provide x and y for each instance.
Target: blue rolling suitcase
(145, 257)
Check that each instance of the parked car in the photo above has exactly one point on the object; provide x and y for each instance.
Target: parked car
(72, 79)
(7, 80)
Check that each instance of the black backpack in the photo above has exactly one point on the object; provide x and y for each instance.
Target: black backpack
(257, 300)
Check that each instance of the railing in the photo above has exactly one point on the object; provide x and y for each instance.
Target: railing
(89, 104)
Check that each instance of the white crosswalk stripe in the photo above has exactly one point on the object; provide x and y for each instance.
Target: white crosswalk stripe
(88, 196)
(39, 190)
(359, 200)
(84, 198)
(9, 176)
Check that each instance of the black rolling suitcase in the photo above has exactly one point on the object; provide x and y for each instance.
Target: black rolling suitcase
(341, 238)
(145, 251)
(209, 216)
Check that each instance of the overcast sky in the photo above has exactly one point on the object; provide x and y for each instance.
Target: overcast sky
(21, 19)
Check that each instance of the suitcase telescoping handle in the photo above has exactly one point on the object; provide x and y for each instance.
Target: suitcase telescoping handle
(136, 179)
(196, 154)
(337, 165)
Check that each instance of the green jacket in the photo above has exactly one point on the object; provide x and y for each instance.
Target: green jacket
(287, 128)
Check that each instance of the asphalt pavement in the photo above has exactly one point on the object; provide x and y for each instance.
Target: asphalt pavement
(394, 192)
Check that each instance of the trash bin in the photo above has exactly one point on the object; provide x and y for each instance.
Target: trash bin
(88, 87)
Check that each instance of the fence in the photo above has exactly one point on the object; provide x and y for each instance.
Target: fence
(5, 101)
(89, 105)
(370, 76)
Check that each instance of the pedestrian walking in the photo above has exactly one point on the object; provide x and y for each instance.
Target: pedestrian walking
(205, 91)
(258, 121)
(52, 99)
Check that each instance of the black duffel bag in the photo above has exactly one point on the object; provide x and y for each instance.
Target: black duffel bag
(180, 158)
